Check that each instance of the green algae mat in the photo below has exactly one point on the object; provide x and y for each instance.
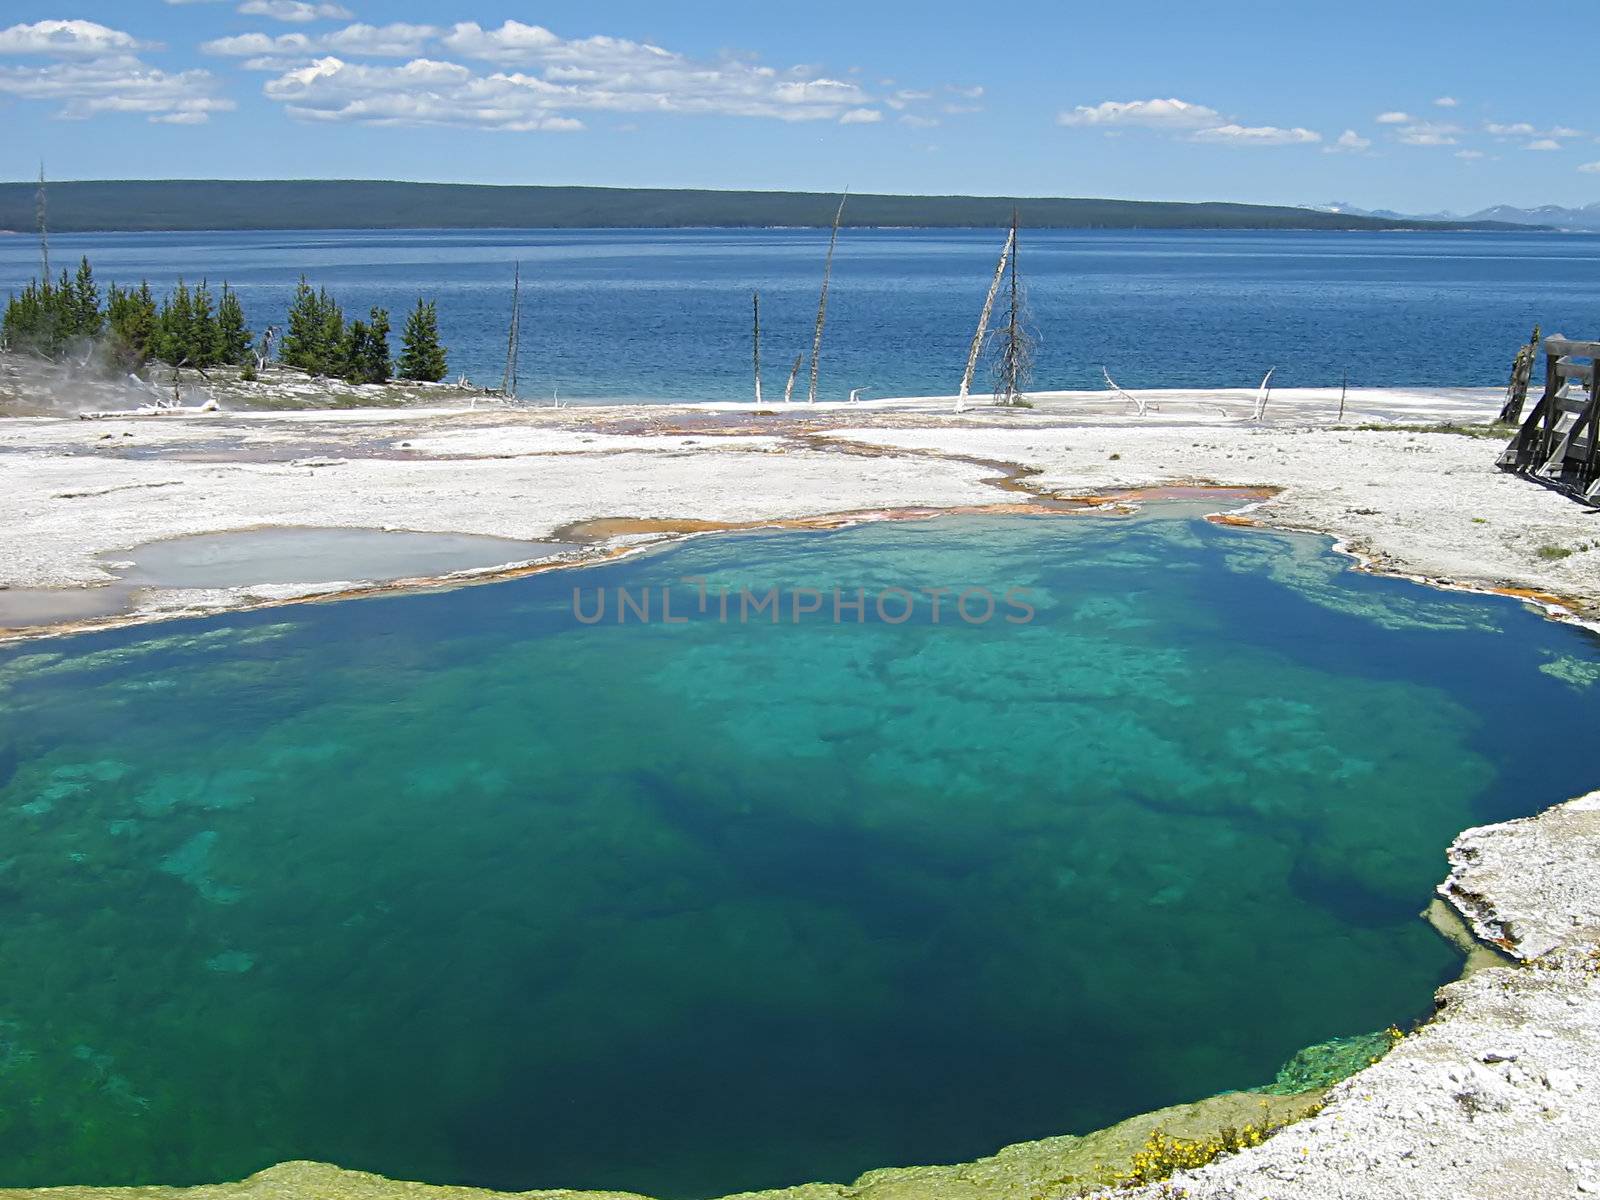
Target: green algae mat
(516, 887)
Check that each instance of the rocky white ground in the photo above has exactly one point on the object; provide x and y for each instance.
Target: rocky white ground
(78, 492)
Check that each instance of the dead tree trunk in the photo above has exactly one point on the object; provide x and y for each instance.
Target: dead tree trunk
(1012, 344)
(1263, 394)
(794, 373)
(508, 382)
(983, 325)
(1016, 355)
(822, 304)
(42, 212)
(1140, 406)
(755, 304)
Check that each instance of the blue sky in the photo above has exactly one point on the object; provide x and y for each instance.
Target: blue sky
(1415, 105)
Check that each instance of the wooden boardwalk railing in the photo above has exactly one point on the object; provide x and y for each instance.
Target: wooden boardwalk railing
(1559, 442)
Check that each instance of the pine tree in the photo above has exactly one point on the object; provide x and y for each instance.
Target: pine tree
(202, 347)
(316, 332)
(42, 319)
(26, 322)
(364, 350)
(175, 329)
(422, 358)
(299, 343)
(134, 323)
(332, 337)
(353, 350)
(87, 320)
(63, 313)
(146, 320)
(131, 325)
(302, 343)
(377, 366)
(233, 333)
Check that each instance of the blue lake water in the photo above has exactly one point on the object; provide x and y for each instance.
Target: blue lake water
(665, 314)
(458, 887)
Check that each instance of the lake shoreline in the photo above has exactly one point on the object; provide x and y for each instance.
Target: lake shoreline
(1487, 1098)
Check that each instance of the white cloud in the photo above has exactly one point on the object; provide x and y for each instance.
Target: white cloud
(1350, 140)
(1198, 122)
(1158, 114)
(1543, 144)
(297, 12)
(965, 102)
(117, 85)
(96, 70)
(1523, 129)
(1395, 118)
(67, 39)
(1427, 133)
(422, 92)
(379, 41)
(1255, 135)
(515, 42)
(1446, 102)
(288, 45)
(1469, 155)
(1590, 168)
(916, 122)
(278, 53)
(542, 80)
(906, 97)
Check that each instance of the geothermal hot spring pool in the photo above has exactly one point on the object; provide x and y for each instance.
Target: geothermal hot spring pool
(456, 887)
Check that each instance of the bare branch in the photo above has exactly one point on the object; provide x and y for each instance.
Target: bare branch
(822, 304)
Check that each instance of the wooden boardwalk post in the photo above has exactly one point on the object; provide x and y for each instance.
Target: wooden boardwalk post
(1521, 373)
(1559, 442)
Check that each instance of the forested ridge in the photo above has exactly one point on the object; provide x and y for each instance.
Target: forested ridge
(85, 206)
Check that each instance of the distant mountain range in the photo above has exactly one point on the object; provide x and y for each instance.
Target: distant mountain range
(1548, 216)
(374, 204)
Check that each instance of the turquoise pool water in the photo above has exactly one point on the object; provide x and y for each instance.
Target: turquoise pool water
(458, 887)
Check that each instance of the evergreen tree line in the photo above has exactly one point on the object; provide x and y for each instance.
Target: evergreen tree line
(320, 341)
(194, 327)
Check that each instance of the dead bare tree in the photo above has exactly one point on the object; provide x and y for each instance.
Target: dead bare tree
(41, 205)
(264, 353)
(755, 304)
(1140, 405)
(976, 350)
(1263, 394)
(508, 381)
(822, 304)
(794, 373)
(1014, 368)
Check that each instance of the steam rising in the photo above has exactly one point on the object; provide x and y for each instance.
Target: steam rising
(86, 378)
